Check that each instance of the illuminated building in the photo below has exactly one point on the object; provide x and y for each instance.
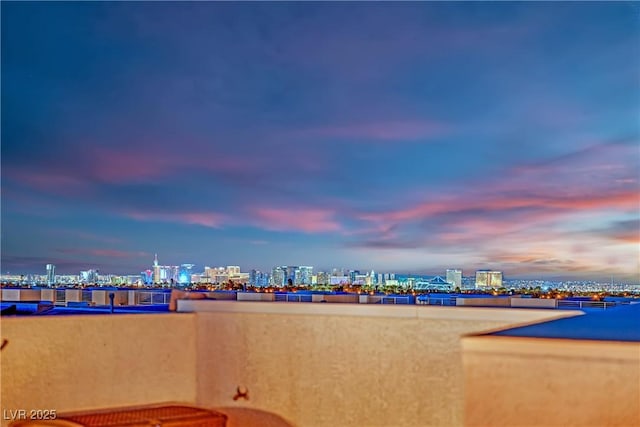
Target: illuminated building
(352, 275)
(488, 279)
(147, 277)
(184, 274)
(259, 279)
(278, 275)
(89, 276)
(233, 270)
(339, 280)
(454, 276)
(303, 275)
(322, 278)
(291, 273)
(51, 274)
(156, 270)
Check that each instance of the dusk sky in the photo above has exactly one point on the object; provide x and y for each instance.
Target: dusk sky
(405, 138)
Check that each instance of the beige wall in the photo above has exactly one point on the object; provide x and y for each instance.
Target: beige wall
(489, 301)
(313, 364)
(533, 302)
(348, 298)
(84, 362)
(255, 296)
(20, 294)
(515, 382)
(341, 364)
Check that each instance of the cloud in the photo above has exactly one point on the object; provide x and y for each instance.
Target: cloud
(48, 181)
(553, 204)
(401, 130)
(627, 231)
(308, 220)
(205, 219)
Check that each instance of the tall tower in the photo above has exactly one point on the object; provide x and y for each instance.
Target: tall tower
(51, 274)
(454, 276)
(156, 270)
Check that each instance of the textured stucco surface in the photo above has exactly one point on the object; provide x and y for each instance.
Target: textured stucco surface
(551, 382)
(341, 370)
(311, 364)
(71, 363)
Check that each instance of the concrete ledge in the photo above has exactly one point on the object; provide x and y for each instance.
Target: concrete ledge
(518, 317)
(539, 347)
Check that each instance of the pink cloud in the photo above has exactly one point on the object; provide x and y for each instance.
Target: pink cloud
(212, 220)
(620, 200)
(628, 237)
(125, 165)
(296, 219)
(51, 182)
(146, 161)
(381, 130)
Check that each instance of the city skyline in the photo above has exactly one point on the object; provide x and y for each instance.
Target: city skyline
(412, 138)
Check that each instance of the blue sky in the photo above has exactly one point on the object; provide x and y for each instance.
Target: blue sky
(407, 137)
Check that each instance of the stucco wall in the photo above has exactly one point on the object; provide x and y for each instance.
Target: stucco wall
(513, 382)
(340, 364)
(84, 362)
(20, 295)
(480, 302)
(533, 302)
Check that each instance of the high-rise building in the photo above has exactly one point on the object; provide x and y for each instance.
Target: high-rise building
(156, 270)
(291, 274)
(233, 270)
(303, 275)
(322, 278)
(278, 276)
(352, 275)
(488, 279)
(147, 277)
(51, 274)
(184, 275)
(454, 276)
(89, 276)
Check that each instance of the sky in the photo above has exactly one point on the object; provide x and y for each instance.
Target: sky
(400, 137)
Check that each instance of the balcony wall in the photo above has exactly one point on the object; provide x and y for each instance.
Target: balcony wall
(514, 381)
(341, 364)
(74, 362)
(313, 364)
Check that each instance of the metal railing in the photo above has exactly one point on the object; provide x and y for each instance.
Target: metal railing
(61, 297)
(444, 301)
(585, 304)
(86, 296)
(151, 298)
(293, 298)
(396, 300)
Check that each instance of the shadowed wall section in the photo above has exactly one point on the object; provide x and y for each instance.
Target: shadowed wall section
(72, 363)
